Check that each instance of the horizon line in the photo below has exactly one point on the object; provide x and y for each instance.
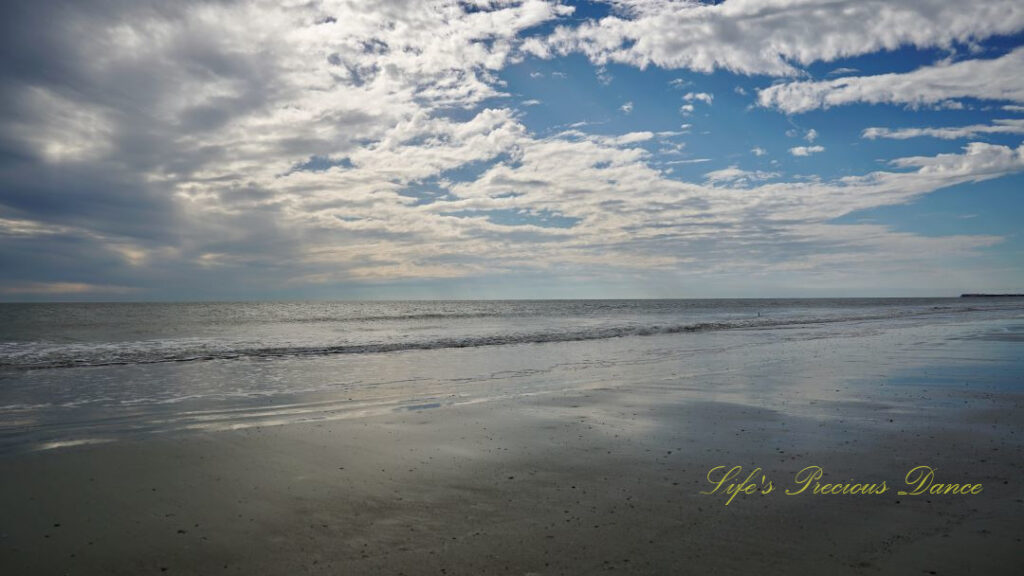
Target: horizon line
(359, 300)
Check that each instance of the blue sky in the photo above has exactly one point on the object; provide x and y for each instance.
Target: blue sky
(510, 149)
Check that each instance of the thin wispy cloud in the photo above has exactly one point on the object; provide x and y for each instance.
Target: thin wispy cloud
(806, 150)
(1012, 126)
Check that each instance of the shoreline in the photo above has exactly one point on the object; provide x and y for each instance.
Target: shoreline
(574, 476)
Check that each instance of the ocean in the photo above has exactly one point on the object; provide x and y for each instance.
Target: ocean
(97, 372)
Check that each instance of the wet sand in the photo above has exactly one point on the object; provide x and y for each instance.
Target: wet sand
(601, 475)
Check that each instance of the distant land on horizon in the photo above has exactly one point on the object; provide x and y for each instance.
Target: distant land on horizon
(457, 299)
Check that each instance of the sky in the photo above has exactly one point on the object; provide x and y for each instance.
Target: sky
(235, 150)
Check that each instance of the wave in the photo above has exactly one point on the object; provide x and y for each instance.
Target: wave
(27, 356)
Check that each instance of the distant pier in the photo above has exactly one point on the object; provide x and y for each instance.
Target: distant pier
(992, 295)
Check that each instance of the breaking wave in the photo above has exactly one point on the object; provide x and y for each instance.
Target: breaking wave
(42, 355)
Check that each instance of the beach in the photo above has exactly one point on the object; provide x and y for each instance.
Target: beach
(512, 287)
(564, 456)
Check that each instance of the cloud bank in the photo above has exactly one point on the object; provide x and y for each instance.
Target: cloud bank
(219, 149)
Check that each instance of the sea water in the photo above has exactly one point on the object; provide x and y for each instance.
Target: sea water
(94, 372)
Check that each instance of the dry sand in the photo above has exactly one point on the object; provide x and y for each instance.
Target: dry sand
(593, 478)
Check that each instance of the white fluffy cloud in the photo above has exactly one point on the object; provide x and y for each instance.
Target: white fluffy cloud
(993, 79)
(337, 142)
(699, 97)
(770, 36)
